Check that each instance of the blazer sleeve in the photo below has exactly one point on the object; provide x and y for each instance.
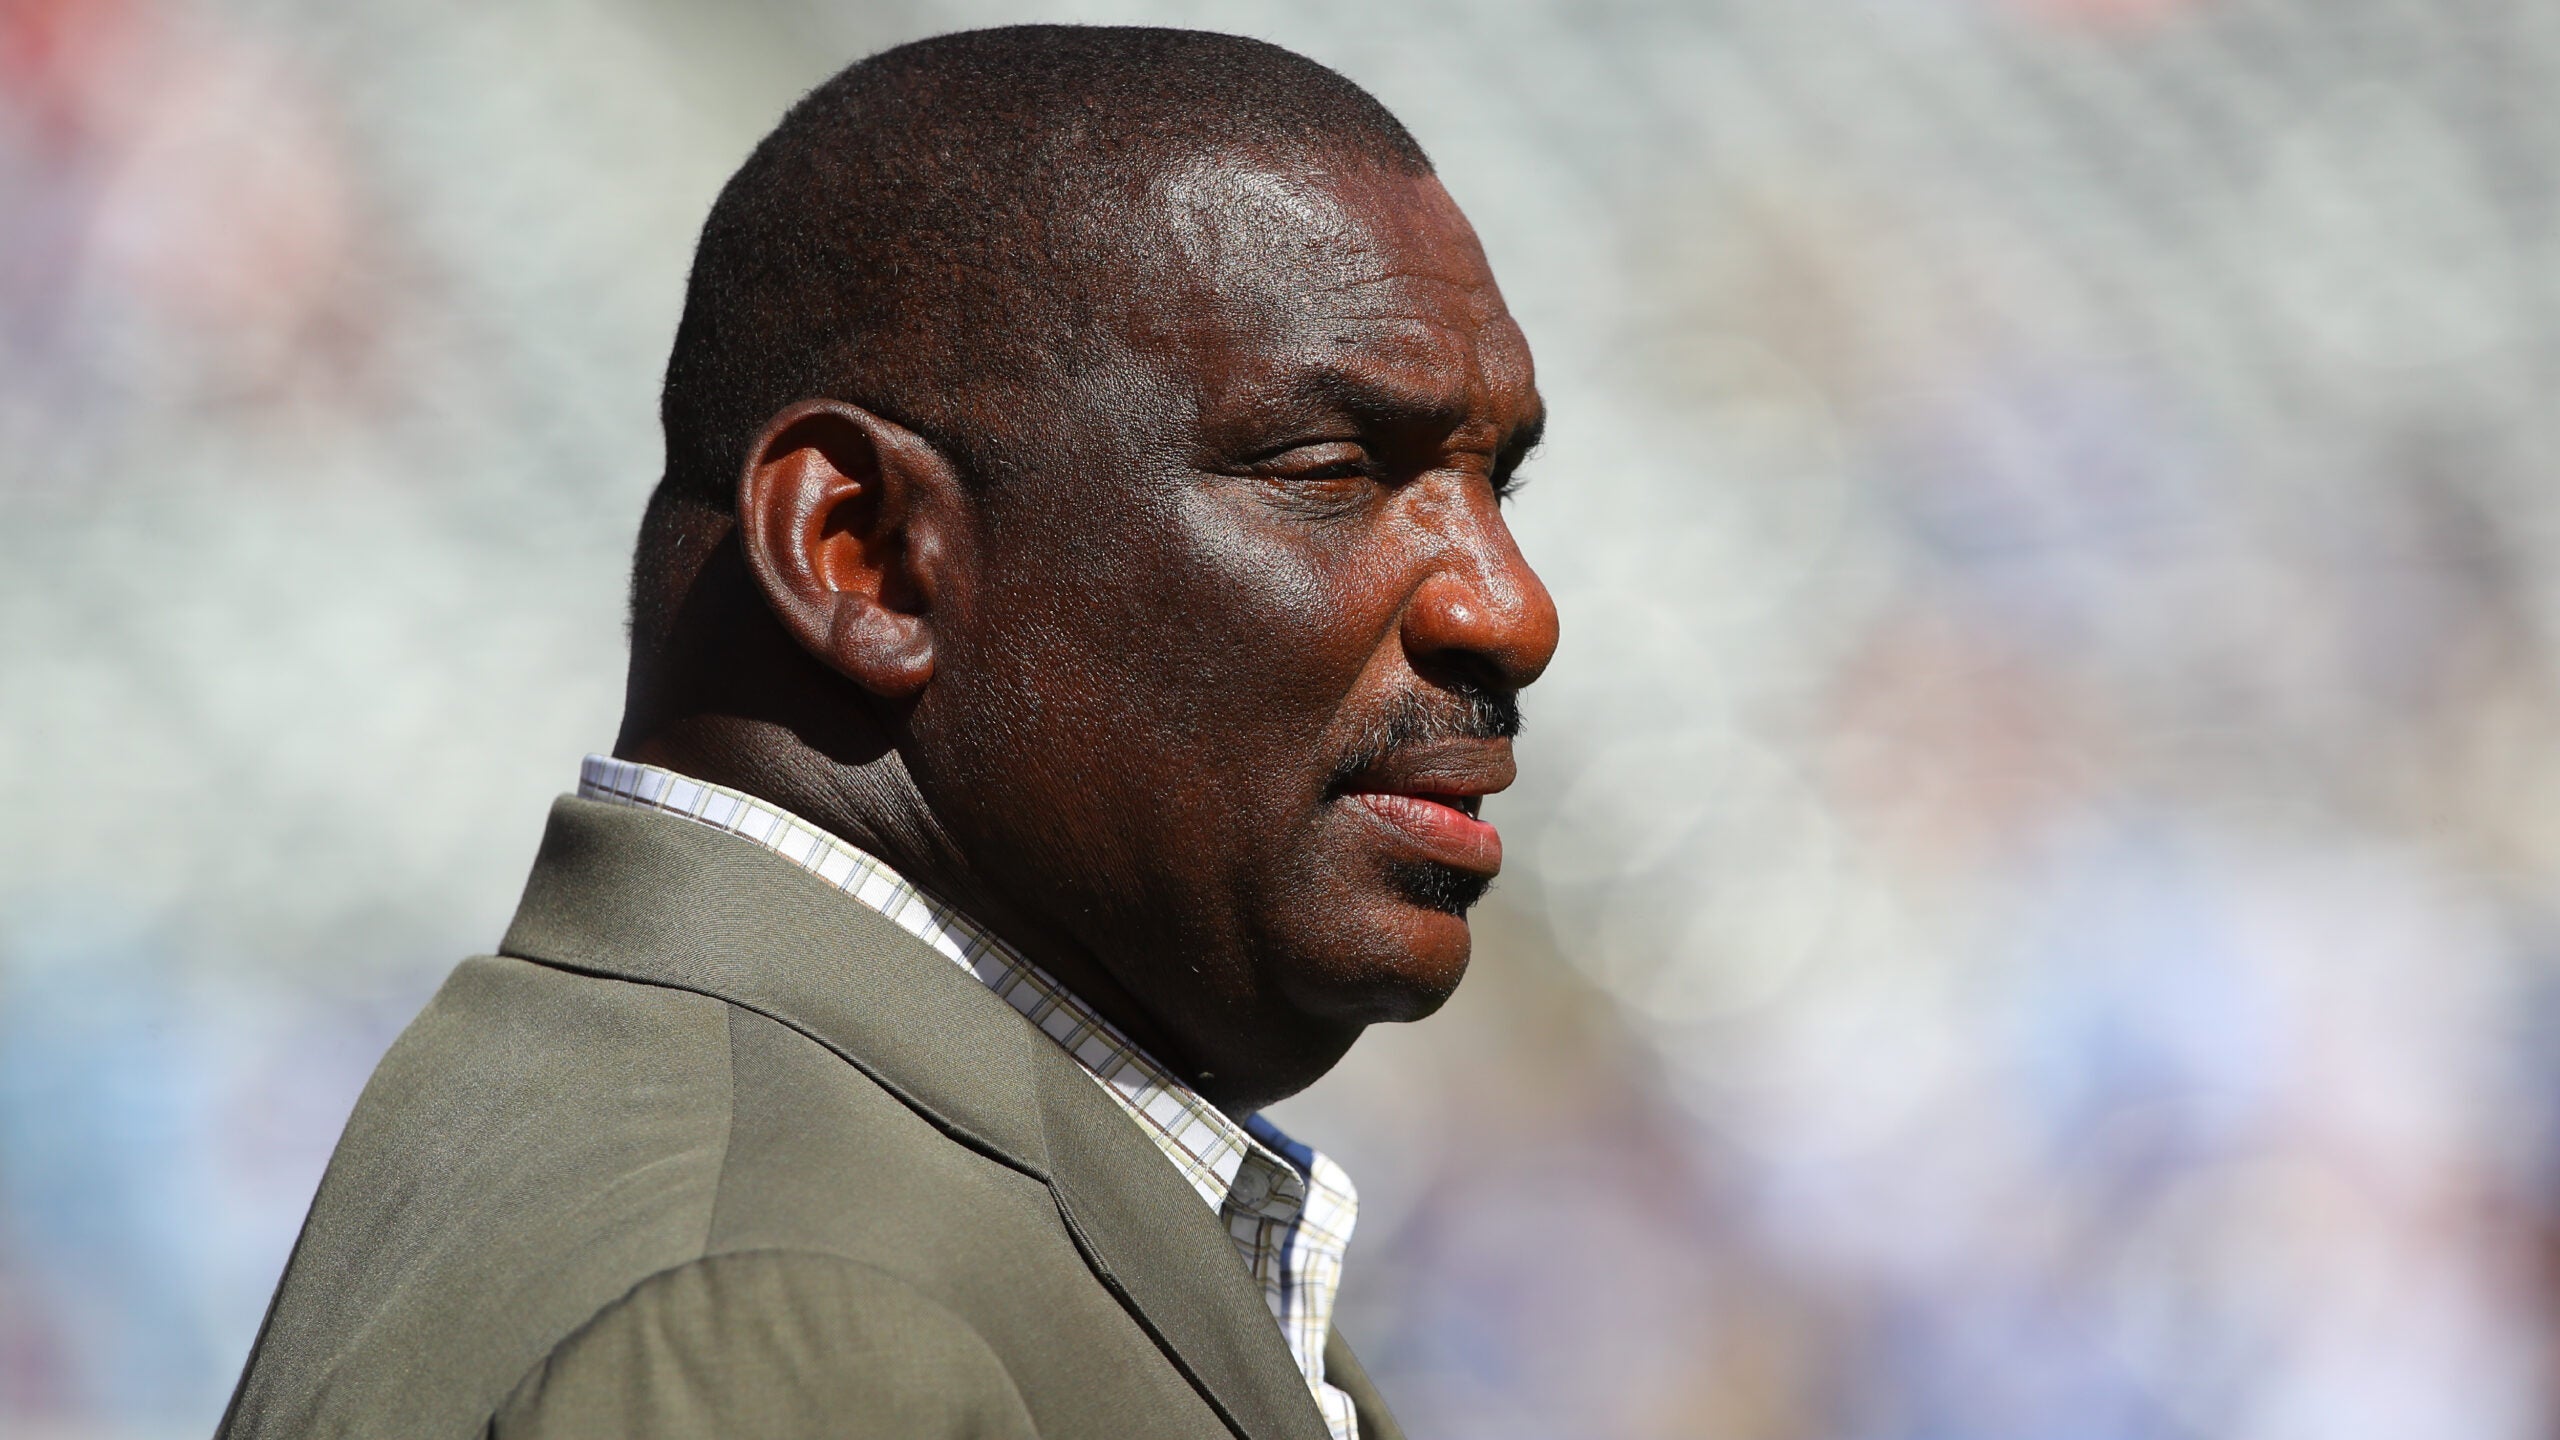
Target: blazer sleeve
(768, 1345)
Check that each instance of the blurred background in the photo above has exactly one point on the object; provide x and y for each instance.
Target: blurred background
(2033, 904)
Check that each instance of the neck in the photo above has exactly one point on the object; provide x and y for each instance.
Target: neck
(866, 798)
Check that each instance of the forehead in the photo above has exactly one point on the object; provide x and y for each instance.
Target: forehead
(1276, 276)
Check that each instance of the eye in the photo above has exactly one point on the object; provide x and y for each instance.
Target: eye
(1324, 460)
(1507, 479)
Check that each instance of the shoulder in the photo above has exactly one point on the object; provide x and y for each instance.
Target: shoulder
(768, 1343)
(541, 1141)
(533, 1142)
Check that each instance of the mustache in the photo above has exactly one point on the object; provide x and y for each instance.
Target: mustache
(1461, 711)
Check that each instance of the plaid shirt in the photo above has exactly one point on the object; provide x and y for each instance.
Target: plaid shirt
(1288, 1208)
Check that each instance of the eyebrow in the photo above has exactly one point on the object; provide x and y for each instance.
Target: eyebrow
(1368, 398)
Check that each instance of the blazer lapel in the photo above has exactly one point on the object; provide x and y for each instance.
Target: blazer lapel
(1145, 1233)
(643, 896)
(1342, 1370)
(661, 900)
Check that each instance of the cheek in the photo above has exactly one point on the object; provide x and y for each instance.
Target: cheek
(1179, 685)
(1266, 624)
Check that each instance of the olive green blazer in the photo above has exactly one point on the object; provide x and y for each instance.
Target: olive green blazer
(712, 1149)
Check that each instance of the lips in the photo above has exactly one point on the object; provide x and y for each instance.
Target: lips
(1428, 797)
(1444, 827)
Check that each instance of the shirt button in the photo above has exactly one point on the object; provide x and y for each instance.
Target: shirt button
(1252, 1187)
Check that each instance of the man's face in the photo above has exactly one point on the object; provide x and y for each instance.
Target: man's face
(1234, 673)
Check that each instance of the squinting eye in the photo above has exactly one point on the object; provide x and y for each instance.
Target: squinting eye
(1333, 460)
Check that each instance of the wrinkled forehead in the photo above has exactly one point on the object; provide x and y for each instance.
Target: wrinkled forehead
(1263, 267)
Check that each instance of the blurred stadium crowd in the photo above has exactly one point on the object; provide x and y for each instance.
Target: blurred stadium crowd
(2033, 905)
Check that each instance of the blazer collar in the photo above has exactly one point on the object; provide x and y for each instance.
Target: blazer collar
(653, 898)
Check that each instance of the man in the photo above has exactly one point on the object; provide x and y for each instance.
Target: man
(1070, 645)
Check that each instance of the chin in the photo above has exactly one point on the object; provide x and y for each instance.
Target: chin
(1404, 966)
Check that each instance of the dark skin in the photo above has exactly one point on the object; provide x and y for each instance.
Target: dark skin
(1126, 709)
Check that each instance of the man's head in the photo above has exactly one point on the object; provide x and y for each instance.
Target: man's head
(1084, 460)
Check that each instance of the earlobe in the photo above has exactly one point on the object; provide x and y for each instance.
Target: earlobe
(839, 514)
(887, 652)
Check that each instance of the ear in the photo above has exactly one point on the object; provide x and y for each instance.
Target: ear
(851, 525)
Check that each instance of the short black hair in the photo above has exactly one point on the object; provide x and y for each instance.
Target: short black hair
(911, 237)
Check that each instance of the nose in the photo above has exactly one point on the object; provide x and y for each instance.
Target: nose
(1481, 611)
